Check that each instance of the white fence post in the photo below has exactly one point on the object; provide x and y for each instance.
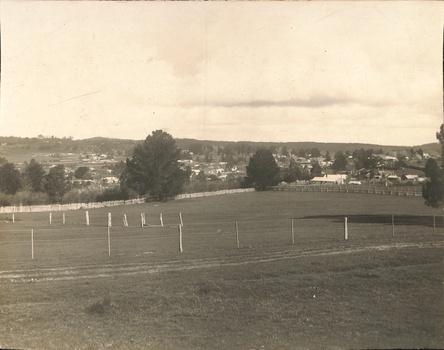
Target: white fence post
(345, 229)
(181, 221)
(109, 220)
(50, 218)
(180, 238)
(125, 221)
(32, 243)
(63, 218)
(109, 242)
(87, 218)
(292, 232)
(161, 220)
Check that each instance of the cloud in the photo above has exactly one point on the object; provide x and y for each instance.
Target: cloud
(320, 101)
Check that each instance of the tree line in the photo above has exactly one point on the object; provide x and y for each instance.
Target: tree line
(155, 171)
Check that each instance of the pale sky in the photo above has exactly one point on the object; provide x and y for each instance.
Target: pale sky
(367, 72)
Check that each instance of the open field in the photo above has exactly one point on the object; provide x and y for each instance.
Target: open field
(379, 289)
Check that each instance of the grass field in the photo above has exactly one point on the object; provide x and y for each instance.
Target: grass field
(381, 288)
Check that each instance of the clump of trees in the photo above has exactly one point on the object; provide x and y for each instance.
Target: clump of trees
(154, 169)
(262, 171)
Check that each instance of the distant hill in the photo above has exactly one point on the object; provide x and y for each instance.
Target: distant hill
(20, 149)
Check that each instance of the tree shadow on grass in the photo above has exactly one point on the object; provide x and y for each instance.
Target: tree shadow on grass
(416, 220)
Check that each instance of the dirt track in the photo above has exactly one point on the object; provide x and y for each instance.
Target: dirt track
(115, 270)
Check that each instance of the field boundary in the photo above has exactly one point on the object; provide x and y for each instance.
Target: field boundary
(384, 190)
(94, 205)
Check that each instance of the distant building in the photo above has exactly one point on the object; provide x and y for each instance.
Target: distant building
(337, 179)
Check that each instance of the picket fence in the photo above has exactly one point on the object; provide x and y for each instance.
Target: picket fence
(93, 205)
(385, 190)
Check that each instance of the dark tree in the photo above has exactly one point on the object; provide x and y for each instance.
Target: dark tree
(55, 183)
(433, 189)
(9, 178)
(262, 170)
(327, 156)
(292, 173)
(82, 172)
(33, 176)
(316, 170)
(440, 138)
(340, 162)
(154, 168)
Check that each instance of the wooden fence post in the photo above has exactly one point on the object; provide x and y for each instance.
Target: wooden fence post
(180, 238)
(87, 218)
(345, 229)
(181, 221)
(237, 234)
(434, 224)
(292, 232)
(50, 218)
(109, 220)
(63, 218)
(393, 226)
(125, 221)
(161, 220)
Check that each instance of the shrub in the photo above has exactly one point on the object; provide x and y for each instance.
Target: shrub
(31, 198)
(81, 195)
(6, 200)
(115, 194)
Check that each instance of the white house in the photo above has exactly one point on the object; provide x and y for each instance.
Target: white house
(336, 179)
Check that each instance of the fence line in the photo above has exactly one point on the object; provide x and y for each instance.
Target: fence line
(94, 205)
(214, 193)
(393, 191)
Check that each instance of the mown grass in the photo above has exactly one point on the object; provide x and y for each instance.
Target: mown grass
(268, 294)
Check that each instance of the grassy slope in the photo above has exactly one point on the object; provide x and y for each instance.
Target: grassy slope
(320, 293)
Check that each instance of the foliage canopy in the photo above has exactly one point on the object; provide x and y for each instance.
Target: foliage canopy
(262, 170)
(154, 168)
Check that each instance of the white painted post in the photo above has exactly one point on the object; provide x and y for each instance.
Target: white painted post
(109, 242)
(393, 226)
(32, 243)
(109, 220)
(237, 234)
(161, 220)
(125, 221)
(181, 221)
(63, 218)
(345, 229)
(180, 238)
(13, 217)
(50, 218)
(292, 232)
(87, 218)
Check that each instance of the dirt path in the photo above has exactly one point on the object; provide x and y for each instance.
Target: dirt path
(110, 271)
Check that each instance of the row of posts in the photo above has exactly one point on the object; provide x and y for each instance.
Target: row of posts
(125, 219)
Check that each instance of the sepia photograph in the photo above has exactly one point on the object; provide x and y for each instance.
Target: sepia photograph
(208, 175)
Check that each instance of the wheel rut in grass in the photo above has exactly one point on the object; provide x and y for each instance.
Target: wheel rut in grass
(113, 270)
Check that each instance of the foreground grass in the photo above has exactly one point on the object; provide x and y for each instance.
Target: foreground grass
(379, 299)
(320, 293)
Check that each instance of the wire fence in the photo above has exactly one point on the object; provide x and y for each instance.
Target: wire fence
(73, 243)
